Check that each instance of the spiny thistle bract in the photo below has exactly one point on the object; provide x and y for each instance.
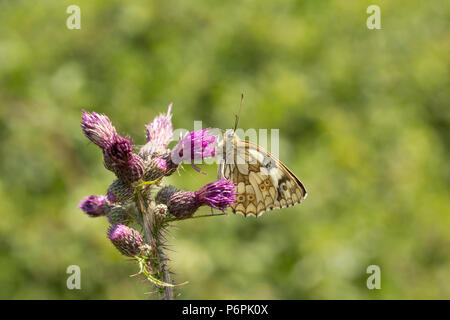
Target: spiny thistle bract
(137, 205)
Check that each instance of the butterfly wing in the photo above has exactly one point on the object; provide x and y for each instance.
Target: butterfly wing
(263, 182)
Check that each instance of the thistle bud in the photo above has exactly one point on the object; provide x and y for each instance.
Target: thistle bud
(127, 240)
(119, 191)
(146, 250)
(117, 214)
(160, 210)
(155, 168)
(183, 204)
(171, 166)
(164, 194)
(119, 158)
(120, 150)
(132, 171)
(94, 206)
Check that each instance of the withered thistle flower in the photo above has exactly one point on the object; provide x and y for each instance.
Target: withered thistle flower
(94, 206)
(127, 240)
(159, 133)
(98, 128)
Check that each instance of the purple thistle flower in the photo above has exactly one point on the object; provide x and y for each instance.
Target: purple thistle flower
(159, 133)
(94, 206)
(218, 195)
(161, 163)
(127, 240)
(182, 204)
(195, 145)
(98, 128)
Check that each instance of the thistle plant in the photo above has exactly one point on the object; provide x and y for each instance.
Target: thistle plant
(138, 206)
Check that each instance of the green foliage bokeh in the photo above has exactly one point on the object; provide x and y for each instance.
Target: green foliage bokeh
(363, 118)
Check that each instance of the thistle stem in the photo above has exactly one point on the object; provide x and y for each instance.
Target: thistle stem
(200, 216)
(168, 291)
(152, 235)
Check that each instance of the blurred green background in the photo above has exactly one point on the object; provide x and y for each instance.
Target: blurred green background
(363, 118)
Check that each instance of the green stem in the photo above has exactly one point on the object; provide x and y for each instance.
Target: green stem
(195, 217)
(152, 237)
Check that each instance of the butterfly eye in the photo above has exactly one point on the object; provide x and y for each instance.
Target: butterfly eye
(284, 187)
(262, 187)
(267, 182)
(250, 197)
(241, 198)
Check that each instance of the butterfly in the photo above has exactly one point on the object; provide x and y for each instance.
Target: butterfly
(263, 182)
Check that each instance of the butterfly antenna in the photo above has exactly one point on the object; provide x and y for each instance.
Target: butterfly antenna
(239, 113)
